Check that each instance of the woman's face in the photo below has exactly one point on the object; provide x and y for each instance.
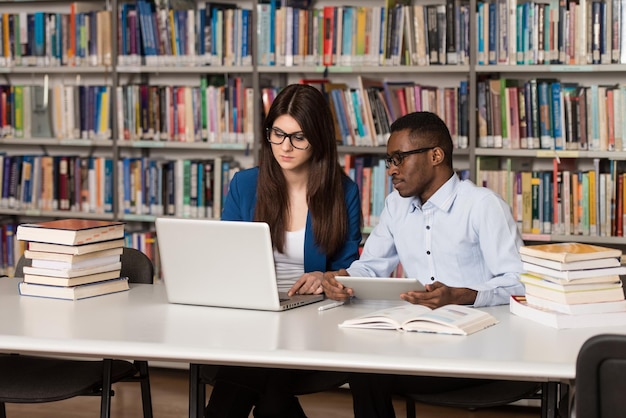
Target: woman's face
(283, 135)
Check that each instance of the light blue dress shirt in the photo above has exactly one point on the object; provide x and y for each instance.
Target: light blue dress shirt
(463, 236)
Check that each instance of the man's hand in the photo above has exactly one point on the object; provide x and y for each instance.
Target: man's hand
(438, 294)
(333, 289)
(308, 284)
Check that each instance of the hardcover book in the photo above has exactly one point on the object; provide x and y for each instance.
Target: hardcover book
(74, 249)
(72, 272)
(520, 307)
(569, 251)
(449, 319)
(573, 265)
(577, 308)
(572, 293)
(75, 292)
(71, 231)
(71, 281)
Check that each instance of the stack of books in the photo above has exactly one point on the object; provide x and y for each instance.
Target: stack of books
(72, 258)
(571, 285)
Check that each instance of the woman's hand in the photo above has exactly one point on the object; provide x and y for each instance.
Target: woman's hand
(308, 284)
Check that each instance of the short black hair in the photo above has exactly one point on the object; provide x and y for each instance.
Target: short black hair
(428, 127)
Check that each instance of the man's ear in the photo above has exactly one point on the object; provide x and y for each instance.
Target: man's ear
(438, 156)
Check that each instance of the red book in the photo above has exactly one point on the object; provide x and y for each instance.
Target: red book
(610, 118)
(71, 231)
(619, 206)
(329, 30)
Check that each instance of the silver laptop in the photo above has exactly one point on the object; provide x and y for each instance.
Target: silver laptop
(221, 263)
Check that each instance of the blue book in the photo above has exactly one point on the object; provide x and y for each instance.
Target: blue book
(126, 181)
(545, 129)
(594, 141)
(557, 116)
(480, 23)
(547, 210)
(272, 29)
(245, 28)
(40, 34)
(200, 190)
(492, 50)
(200, 28)
(523, 34)
(346, 37)
(28, 167)
(596, 33)
(108, 185)
(340, 110)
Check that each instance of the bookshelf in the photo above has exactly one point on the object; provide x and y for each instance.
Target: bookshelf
(135, 58)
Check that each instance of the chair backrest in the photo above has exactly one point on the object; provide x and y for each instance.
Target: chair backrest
(19, 267)
(601, 377)
(137, 266)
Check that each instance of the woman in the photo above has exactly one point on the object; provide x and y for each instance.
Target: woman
(314, 213)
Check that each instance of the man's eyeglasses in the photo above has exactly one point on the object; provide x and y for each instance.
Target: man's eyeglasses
(297, 140)
(397, 157)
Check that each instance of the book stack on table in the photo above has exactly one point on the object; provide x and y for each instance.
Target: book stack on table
(571, 285)
(72, 258)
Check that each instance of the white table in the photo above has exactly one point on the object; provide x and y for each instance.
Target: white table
(140, 324)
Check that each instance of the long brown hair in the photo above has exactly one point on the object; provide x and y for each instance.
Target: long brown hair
(325, 195)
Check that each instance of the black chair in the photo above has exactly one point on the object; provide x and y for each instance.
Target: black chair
(491, 394)
(29, 379)
(202, 375)
(601, 377)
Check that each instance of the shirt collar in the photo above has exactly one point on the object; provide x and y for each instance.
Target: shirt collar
(442, 198)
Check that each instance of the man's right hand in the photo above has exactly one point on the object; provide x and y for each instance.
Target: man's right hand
(334, 289)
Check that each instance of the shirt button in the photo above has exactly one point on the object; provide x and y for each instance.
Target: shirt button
(428, 252)
(432, 278)
(427, 226)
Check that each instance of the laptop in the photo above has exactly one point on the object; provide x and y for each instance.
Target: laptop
(221, 263)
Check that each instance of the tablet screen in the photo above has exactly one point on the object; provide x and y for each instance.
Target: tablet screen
(386, 288)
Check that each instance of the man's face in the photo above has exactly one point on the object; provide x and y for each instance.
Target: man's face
(414, 174)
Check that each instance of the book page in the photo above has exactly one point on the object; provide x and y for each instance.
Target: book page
(390, 318)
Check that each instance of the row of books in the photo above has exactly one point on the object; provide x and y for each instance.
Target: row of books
(566, 32)
(564, 201)
(146, 242)
(549, 114)
(155, 33)
(189, 188)
(59, 111)
(363, 115)
(370, 175)
(75, 38)
(400, 34)
(10, 250)
(571, 285)
(221, 113)
(66, 183)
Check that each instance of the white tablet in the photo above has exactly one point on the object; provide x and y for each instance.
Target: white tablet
(388, 288)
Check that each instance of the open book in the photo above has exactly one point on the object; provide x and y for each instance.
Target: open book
(449, 319)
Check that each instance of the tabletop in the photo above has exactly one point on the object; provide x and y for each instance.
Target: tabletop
(141, 324)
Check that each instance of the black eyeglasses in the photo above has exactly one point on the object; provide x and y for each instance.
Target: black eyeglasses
(296, 139)
(397, 157)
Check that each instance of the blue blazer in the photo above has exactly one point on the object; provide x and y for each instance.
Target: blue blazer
(241, 200)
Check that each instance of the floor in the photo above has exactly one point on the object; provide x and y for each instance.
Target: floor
(170, 400)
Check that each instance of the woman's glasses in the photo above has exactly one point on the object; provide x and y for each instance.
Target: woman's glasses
(296, 139)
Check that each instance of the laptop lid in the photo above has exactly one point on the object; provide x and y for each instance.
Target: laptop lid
(221, 263)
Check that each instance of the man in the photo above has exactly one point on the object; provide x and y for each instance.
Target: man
(458, 239)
